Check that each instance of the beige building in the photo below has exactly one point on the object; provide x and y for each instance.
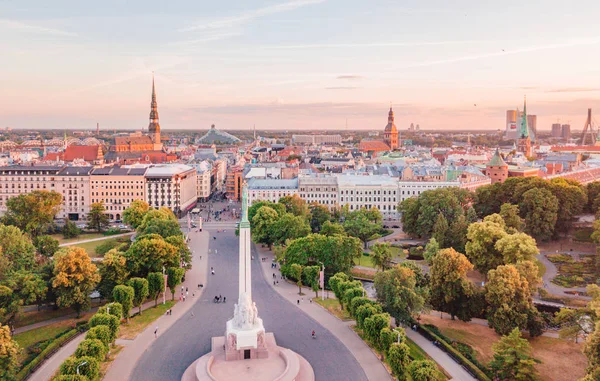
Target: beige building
(173, 186)
(71, 182)
(117, 187)
(203, 185)
(321, 188)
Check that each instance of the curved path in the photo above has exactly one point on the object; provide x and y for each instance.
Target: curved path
(189, 338)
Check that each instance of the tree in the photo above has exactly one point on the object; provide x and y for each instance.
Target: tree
(296, 205)
(572, 199)
(33, 212)
(335, 281)
(9, 353)
(289, 227)
(70, 230)
(381, 255)
(140, 291)
(174, 277)
(510, 215)
(311, 278)
(114, 308)
(319, 214)
(509, 299)
(365, 311)
(457, 234)
(336, 252)
(373, 326)
(330, 228)
(593, 191)
(46, 245)
(399, 359)
(431, 250)
(481, 245)
(164, 227)
(134, 215)
(253, 209)
(423, 370)
(296, 273)
(512, 358)
(111, 321)
(75, 277)
(540, 208)
(113, 271)
(361, 228)
(151, 255)
(517, 247)
(28, 287)
(397, 291)
(575, 322)
(88, 366)
(530, 271)
(263, 223)
(96, 218)
(18, 253)
(357, 302)
(124, 295)
(451, 291)
(156, 285)
(592, 351)
(352, 293)
(185, 255)
(441, 230)
(100, 332)
(92, 348)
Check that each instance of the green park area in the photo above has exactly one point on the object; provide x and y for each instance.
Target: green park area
(574, 271)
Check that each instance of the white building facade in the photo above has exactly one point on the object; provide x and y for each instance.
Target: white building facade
(173, 186)
(319, 188)
(270, 189)
(374, 191)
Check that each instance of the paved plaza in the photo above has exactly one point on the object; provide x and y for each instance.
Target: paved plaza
(189, 337)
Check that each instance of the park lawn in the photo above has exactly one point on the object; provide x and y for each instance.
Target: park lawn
(81, 237)
(583, 234)
(397, 254)
(37, 335)
(32, 317)
(334, 308)
(562, 360)
(364, 260)
(138, 323)
(90, 247)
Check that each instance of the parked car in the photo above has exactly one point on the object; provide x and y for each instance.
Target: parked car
(81, 226)
(123, 227)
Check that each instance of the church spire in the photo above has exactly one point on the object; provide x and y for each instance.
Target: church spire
(154, 126)
(524, 133)
(391, 115)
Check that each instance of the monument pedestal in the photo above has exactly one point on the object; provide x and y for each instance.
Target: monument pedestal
(279, 364)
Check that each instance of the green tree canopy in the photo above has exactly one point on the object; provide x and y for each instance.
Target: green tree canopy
(319, 214)
(423, 370)
(451, 291)
(481, 245)
(97, 219)
(381, 255)
(17, 250)
(289, 227)
(124, 295)
(75, 277)
(33, 212)
(512, 358)
(296, 205)
(9, 354)
(174, 277)
(331, 228)
(510, 215)
(156, 285)
(134, 215)
(540, 208)
(253, 209)
(46, 245)
(113, 271)
(140, 291)
(361, 228)
(263, 224)
(397, 291)
(151, 255)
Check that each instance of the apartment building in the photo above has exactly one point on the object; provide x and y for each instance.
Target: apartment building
(321, 188)
(117, 187)
(374, 191)
(71, 182)
(270, 189)
(173, 186)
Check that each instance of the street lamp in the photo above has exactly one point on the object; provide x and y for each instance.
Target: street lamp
(83, 363)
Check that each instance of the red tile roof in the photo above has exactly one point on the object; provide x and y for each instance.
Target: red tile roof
(87, 153)
(373, 146)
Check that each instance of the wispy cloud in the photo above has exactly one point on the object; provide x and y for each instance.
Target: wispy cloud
(376, 44)
(17, 25)
(565, 44)
(208, 38)
(350, 77)
(342, 88)
(573, 90)
(233, 21)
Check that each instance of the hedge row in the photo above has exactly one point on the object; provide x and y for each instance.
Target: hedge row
(455, 354)
(47, 352)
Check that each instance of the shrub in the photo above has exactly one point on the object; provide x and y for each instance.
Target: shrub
(100, 332)
(24, 372)
(91, 369)
(70, 230)
(112, 231)
(111, 321)
(92, 348)
(114, 308)
(71, 377)
(357, 302)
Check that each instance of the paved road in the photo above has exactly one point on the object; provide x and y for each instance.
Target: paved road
(189, 338)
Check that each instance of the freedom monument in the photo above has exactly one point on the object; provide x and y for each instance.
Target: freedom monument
(247, 352)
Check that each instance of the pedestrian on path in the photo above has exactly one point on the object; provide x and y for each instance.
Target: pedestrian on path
(298, 301)
(156, 332)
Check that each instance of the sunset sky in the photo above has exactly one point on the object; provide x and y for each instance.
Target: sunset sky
(298, 64)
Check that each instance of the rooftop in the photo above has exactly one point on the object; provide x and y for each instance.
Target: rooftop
(167, 170)
(255, 183)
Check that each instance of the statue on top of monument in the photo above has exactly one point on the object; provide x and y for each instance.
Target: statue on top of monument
(245, 315)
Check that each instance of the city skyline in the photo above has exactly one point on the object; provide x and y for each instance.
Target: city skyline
(291, 65)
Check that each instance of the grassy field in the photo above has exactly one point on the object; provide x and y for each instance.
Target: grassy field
(583, 234)
(364, 260)
(82, 237)
(90, 247)
(561, 360)
(138, 323)
(334, 308)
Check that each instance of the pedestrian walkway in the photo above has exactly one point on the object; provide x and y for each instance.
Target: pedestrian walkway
(126, 361)
(48, 322)
(96, 239)
(371, 365)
